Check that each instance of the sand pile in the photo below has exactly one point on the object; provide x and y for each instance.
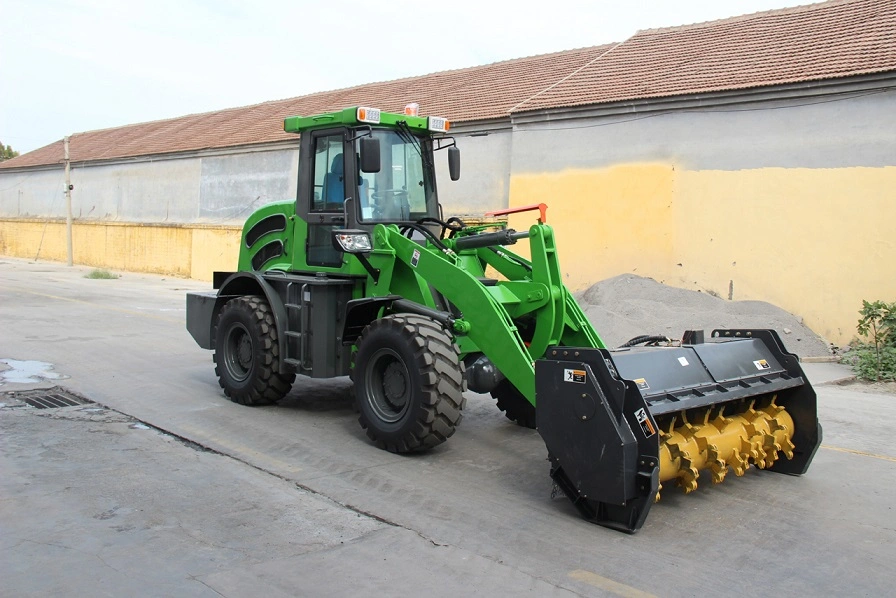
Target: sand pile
(627, 306)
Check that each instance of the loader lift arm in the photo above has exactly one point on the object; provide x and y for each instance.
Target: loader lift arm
(455, 269)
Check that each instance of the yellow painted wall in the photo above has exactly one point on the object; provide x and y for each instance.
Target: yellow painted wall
(607, 221)
(214, 249)
(812, 241)
(188, 251)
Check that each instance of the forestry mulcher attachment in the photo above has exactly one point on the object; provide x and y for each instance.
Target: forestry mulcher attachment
(361, 276)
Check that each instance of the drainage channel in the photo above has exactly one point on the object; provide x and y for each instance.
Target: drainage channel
(57, 398)
(47, 398)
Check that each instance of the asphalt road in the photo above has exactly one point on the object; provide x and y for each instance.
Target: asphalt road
(292, 499)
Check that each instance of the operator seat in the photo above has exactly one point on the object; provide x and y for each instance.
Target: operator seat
(334, 188)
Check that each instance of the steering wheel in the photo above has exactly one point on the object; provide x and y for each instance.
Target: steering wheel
(454, 224)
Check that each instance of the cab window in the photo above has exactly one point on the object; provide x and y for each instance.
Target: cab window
(329, 174)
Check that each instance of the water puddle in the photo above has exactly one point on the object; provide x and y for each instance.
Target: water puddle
(28, 372)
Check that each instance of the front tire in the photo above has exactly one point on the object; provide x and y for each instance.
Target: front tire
(247, 354)
(409, 383)
(515, 406)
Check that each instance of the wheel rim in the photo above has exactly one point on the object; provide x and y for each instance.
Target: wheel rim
(388, 386)
(238, 352)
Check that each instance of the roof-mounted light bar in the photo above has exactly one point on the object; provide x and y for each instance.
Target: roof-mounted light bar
(373, 116)
(438, 124)
(369, 115)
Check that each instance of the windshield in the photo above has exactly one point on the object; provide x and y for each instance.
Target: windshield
(404, 188)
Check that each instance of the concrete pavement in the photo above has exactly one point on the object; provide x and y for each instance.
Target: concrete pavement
(293, 500)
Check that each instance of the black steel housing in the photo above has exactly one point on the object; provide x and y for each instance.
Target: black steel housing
(600, 457)
(597, 411)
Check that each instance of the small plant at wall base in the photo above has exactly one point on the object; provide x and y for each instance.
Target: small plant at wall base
(876, 360)
(101, 274)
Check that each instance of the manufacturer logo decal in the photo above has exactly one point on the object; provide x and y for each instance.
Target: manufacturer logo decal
(577, 376)
(644, 421)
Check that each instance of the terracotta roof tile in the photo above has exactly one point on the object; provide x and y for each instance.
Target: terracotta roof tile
(826, 40)
(475, 93)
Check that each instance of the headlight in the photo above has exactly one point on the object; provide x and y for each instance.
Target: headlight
(352, 241)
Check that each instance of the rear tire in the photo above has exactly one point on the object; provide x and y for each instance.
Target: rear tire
(247, 354)
(409, 383)
(515, 406)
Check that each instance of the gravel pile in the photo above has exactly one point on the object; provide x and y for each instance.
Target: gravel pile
(626, 306)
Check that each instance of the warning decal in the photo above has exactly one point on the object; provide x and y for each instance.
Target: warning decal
(577, 376)
(762, 364)
(415, 258)
(642, 383)
(646, 425)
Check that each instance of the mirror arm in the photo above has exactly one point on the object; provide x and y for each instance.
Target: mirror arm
(439, 140)
(366, 131)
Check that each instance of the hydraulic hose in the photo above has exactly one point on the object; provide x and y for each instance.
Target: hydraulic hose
(644, 339)
(501, 237)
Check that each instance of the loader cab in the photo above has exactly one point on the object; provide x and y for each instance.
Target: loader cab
(360, 172)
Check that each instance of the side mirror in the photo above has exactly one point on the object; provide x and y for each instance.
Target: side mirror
(370, 154)
(454, 163)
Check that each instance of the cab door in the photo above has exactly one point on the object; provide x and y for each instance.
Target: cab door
(322, 192)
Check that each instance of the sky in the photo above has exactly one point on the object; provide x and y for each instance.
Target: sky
(69, 66)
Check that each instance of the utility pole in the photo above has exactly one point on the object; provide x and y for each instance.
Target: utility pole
(68, 201)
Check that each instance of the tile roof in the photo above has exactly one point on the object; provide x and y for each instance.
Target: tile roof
(833, 39)
(475, 93)
(837, 38)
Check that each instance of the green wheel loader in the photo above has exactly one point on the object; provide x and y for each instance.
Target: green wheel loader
(362, 276)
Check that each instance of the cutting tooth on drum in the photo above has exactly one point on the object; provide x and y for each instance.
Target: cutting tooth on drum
(724, 443)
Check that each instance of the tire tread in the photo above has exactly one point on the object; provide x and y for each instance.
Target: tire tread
(269, 385)
(437, 358)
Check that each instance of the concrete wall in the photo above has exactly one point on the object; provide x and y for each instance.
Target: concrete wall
(183, 215)
(787, 201)
(231, 187)
(209, 188)
(190, 251)
(484, 183)
(179, 216)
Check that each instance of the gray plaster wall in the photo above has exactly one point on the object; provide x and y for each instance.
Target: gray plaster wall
(233, 186)
(210, 189)
(839, 129)
(484, 183)
(225, 188)
(159, 191)
(844, 125)
(33, 193)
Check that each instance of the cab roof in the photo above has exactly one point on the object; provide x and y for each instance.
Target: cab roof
(360, 115)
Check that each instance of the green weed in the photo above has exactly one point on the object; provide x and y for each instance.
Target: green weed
(875, 359)
(102, 275)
